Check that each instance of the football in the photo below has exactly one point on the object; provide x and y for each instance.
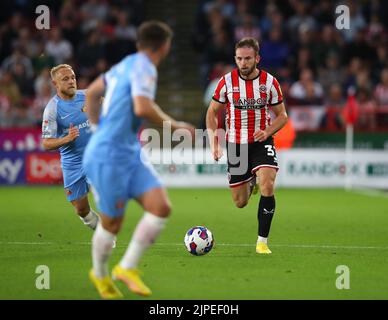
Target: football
(199, 240)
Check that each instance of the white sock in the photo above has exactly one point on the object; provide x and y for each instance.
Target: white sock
(262, 239)
(147, 230)
(90, 220)
(101, 250)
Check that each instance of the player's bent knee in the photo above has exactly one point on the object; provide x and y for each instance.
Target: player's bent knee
(240, 203)
(112, 225)
(164, 210)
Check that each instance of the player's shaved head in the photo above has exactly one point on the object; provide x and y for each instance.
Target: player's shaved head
(54, 71)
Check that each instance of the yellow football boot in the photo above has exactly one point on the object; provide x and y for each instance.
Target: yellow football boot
(131, 277)
(262, 247)
(105, 287)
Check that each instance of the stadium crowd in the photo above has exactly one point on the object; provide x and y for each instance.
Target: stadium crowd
(90, 35)
(315, 62)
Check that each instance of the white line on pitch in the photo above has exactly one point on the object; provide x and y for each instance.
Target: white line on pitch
(218, 244)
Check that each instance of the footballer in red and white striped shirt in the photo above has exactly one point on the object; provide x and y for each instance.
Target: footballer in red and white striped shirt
(248, 94)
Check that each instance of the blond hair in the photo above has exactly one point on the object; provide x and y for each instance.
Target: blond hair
(55, 69)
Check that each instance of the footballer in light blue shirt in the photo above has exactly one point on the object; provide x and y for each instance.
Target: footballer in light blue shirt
(113, 161)
(65, 126)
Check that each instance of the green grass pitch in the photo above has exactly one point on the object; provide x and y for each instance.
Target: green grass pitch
(313, 232)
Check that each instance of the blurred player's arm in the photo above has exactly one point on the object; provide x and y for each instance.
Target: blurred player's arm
(278, 123)
(145, 107)
(93, 101)
(212, 126)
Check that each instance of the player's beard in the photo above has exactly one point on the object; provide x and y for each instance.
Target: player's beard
(69, 92)
(247, 72)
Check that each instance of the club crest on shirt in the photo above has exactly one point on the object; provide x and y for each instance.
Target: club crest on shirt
(83, 109)
(263, 88)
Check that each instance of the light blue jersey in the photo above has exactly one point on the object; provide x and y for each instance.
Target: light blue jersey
(58, 115)
(116, 138)
(112, 159)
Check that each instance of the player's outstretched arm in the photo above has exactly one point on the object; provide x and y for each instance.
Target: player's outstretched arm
(94, 94)
(279, 122)
(212, 125)
(146, 108)
(55, 143)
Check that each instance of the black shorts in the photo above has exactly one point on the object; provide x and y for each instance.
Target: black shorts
(245, 159)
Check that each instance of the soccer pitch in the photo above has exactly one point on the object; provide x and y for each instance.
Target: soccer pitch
(313, 232)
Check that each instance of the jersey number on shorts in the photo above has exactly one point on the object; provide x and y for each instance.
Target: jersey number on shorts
(270, 150)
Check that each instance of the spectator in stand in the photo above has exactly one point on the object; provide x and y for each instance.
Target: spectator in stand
(41, 60)
(354, 67)
(268, 19)
(57, 47)
(323, 13)
(304, 60)
(23, 82)
(16, 57)
(93, 12)
(331, 72)
(247, 28)
(329, 43)
(9, 33)
(124, 30)
(28, 42)
(89, 53)
(375, 30)
(274, 52)
(381, 91)
(359, 48)
(381, 62)
(300, 18)
(69, 22)
(367, 110)
(43, 96)
(10, 89)
(306, 90)
(334, 103)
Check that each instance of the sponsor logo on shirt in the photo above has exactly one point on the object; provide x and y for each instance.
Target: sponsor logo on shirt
(249, 103)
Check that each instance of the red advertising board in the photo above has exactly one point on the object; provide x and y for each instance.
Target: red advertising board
(43, 167)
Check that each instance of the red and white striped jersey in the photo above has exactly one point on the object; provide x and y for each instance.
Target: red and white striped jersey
(248, 103)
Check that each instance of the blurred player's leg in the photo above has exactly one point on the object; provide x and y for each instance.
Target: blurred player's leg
(266, 208)
(103, 237)
(157, 209)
